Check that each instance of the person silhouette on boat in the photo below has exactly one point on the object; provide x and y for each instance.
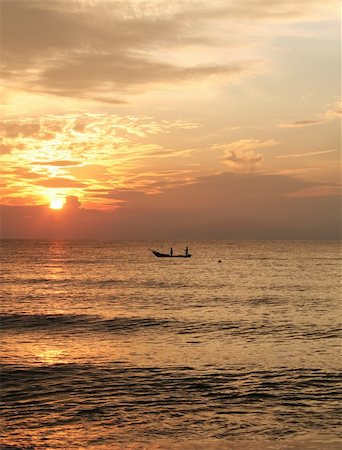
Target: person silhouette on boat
(171, 251)
(186, 251)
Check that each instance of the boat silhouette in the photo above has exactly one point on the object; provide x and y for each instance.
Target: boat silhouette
(168, 255)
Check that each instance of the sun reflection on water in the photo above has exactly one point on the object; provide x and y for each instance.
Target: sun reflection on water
(51, 356)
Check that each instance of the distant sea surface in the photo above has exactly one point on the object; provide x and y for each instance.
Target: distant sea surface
(105, 346)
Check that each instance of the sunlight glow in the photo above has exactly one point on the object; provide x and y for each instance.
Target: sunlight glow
(57, 203)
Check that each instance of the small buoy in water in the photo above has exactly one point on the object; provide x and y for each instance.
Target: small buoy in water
(219, 260)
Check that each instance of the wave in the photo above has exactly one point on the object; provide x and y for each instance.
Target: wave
(246, 329)
(310, 395)
(77, 322)
(282, 383)
(98, 283)
(250, 330)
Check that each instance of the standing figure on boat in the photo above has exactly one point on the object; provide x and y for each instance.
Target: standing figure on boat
(171, 251)
(186, 250)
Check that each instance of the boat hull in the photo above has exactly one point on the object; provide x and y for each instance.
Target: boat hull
(167, 255)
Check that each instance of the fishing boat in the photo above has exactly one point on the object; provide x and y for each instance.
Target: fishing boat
(167, 255)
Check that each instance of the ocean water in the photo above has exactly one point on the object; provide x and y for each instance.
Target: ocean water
(105, 346)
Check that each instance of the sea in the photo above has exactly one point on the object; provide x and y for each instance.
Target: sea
(105, 346)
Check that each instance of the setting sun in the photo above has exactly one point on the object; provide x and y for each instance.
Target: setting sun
(57, 203)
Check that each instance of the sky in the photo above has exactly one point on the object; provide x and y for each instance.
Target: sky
(199, 119)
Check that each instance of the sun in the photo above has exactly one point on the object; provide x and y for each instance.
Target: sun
(56, 203)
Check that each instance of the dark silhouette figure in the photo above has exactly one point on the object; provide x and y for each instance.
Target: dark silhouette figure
(171, 251)
(186, 250)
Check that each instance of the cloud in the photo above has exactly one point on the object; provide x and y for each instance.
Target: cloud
(103, 49)
(227, 206)
(320, 190)
(60, 183)
(266, 10)
(300, 155)
(240, 155)
(242, 161)
(295, 171)
(14, 129)
(248, 144)
(110, 49)
(86, 74)
(61, 163)
(20, 173)
(334, 112)
(94, 150)
(171, 153)
(72, 203)
(301, 123)
(5, 148)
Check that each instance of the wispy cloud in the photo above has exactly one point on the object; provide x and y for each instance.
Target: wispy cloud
(248, 144)
(303, 155)
(98, 151)
(332, 113)
(103, 49)
(293, 171)
(319, 190)
(301, 123)
(266, 10)
(60, 183)
(62, 163)
(109, 49)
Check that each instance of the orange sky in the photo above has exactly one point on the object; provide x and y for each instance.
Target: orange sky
(203, 119)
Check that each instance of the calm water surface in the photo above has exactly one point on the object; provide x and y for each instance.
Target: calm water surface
(105, 346)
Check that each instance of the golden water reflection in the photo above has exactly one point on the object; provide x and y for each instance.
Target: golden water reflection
(45, 350)
(50, 356)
